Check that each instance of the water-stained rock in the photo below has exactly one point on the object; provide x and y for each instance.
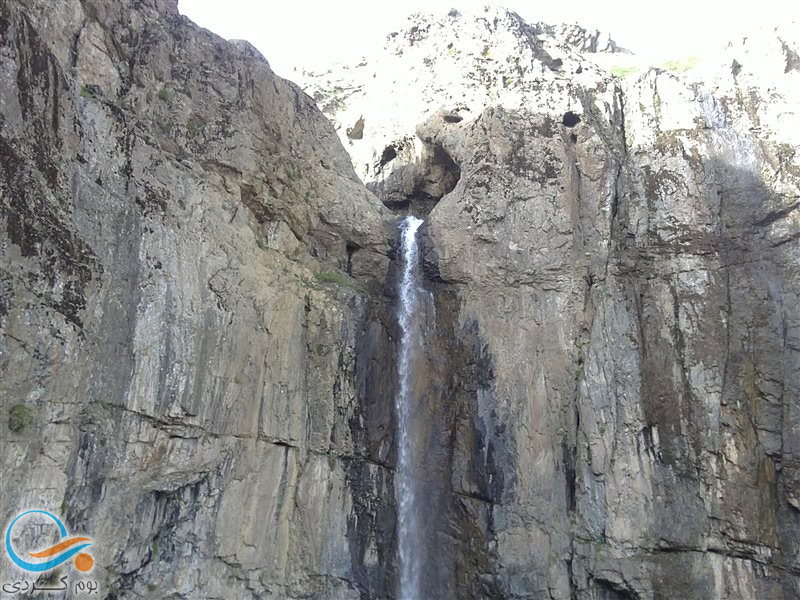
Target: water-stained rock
(625, 252)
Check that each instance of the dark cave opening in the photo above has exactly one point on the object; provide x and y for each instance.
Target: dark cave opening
(445, 171)
(389, 154)
(350, 248)
(415, 204)
(570, 119)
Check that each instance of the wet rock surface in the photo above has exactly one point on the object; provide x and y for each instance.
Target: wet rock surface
(615, 284)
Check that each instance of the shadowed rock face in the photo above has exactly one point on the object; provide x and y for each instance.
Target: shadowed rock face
(621, 257)
(197, 302)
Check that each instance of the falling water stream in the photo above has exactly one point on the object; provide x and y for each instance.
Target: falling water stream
(408, 533)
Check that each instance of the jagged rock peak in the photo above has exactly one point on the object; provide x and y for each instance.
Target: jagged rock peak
(457, 64)
(581, 39)
(491, 20)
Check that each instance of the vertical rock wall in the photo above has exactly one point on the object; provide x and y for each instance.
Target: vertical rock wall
(615, 274)
(186, 259)
(197, 309)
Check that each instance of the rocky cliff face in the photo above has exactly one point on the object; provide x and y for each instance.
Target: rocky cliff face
(186, 255)
(198, 327)
(615, 270)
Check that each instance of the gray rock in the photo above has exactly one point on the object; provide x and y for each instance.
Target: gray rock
(197, 309)
(186, 256)
(622, 255)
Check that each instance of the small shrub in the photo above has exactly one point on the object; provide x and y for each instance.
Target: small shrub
(19, 417)
(339, 279)
(194, 126)
(680, 66)
(294, 174)
(623, 72)
(91, 91)
(163, 94)
(104, 404)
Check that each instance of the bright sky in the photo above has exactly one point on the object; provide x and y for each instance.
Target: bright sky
(312, 33)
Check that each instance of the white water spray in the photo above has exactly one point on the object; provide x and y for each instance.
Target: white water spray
(408, 534)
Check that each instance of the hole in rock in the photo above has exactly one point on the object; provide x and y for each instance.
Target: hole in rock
(453, 118)
(570, 119)
(416, 188)
(389, 154)
(612, 591)
(350, 248)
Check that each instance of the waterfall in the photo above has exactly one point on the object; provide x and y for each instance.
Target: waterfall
(406, 481)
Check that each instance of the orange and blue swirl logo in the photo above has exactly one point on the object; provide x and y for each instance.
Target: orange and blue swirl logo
(63, 551)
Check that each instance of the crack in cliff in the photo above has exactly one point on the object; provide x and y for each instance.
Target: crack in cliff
(473, 496)
(687, 399)
(734, 553)
(622, 159)
(611, 264)
(777, 215)
(176, 429)
(790, 238)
